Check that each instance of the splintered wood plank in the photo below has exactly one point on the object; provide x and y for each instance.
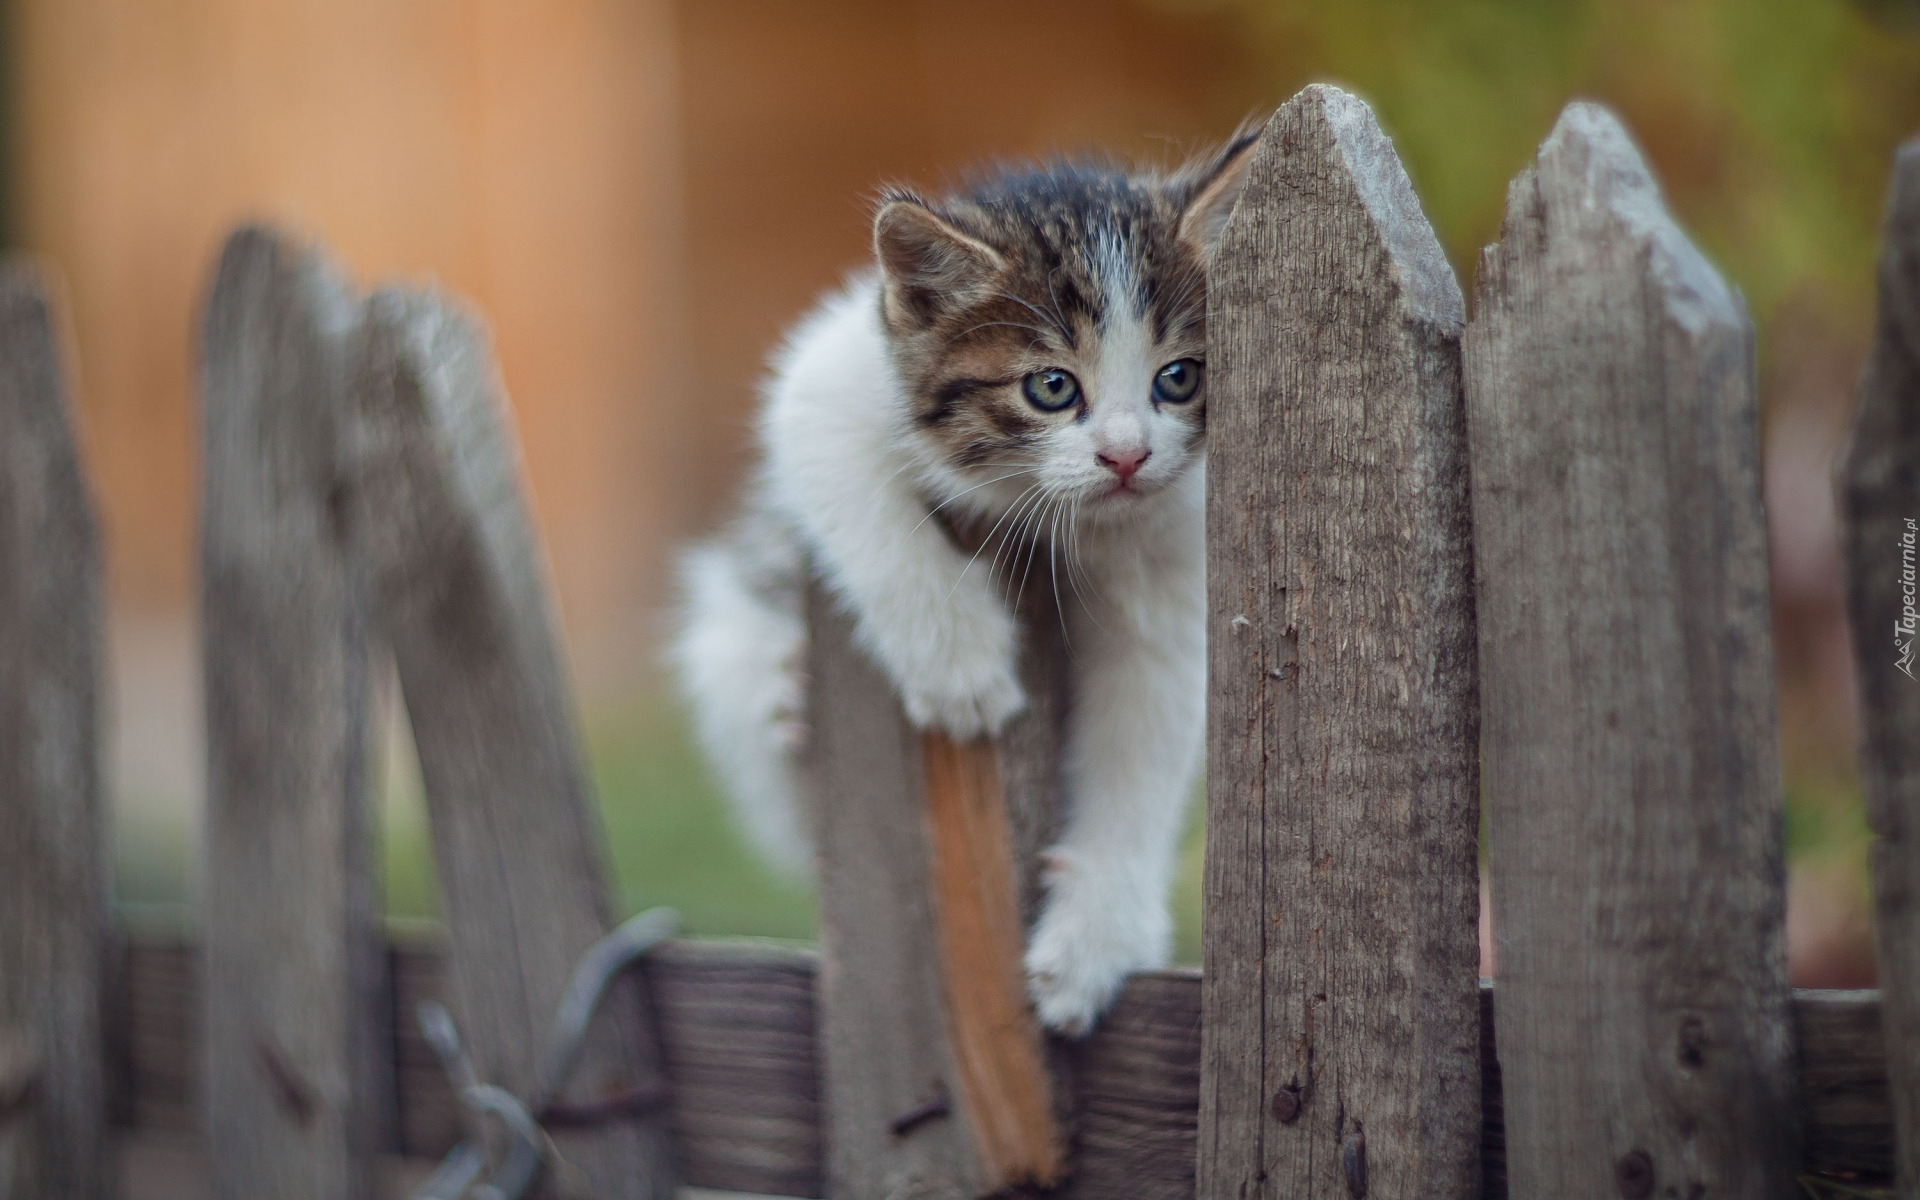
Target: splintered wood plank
(460, 594)
(934, 1067)
(293, 955)
(1880, 491)
(1340, 1047)
(1632, 777)
(54, 922)
(997, 1044)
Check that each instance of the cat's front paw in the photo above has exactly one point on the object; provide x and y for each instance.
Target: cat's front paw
(1092, 934)
(961, 676)
(965, 704)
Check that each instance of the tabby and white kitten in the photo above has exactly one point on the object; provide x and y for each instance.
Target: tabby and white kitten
(1027, 359)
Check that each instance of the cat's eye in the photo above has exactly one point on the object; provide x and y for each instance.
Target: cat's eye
(1051, 390)
(1177, 381)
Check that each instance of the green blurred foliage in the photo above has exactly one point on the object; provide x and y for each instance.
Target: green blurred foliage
(1770, 122)
(671, 838)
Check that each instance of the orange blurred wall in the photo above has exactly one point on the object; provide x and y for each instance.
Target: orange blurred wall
(523, 154)
(638, 193)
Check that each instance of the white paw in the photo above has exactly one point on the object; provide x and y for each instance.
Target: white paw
(1095, 930)
(961, 678)
(965, 703)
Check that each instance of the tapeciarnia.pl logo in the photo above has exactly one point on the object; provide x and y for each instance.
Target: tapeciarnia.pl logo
(1903, 629)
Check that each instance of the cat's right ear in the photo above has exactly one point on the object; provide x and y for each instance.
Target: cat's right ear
(930, 266)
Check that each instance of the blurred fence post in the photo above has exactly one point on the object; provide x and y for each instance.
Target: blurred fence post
(1632, 776)
(936, 1075)
(460, 595)
(1880, 490)
(54, 925)
(293, 1091)
(1341, 1034)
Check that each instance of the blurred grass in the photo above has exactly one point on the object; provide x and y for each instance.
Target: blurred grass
(669, 832)
(673, 842)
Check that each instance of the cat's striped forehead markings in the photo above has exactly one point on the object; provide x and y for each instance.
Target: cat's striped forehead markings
(1093, 265)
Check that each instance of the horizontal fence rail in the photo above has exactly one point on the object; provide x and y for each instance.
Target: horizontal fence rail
(737, 1026)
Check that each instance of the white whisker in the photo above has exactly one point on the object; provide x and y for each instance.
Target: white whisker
(976, 487)
(989, 538)
(1013, 540)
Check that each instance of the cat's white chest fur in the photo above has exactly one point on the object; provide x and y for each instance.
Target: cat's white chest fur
(1036, 369)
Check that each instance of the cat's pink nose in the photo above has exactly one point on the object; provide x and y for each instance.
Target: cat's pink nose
(1123, 462)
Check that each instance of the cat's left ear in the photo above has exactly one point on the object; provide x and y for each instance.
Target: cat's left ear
(1208, 189)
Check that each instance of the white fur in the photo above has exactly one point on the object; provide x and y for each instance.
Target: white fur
(846, 469)
(739, 661)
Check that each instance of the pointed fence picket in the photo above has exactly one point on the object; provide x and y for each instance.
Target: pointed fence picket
(1520, 557)
(1341, 1028)
(295, 1081)
(55, 925)
(1879, 483)
(1635, 818)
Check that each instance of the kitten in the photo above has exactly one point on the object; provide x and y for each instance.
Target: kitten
(1027, 358)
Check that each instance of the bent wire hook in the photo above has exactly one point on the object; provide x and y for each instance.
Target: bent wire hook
(529, 1150)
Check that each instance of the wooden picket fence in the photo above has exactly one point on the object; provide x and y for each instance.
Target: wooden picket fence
(1519, 557)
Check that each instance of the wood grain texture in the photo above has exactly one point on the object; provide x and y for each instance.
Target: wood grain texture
(997, 1044)
(739, 1037)
(923, 1004)
(1341, 1045)
(1880, 494)
(460, 594)
(739, 1022)
(884, 1049)
(1631, 769)
(53, 865)
(1845, 1104)
(292, 953)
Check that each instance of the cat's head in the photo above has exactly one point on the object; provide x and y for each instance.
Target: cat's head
(1049, 324)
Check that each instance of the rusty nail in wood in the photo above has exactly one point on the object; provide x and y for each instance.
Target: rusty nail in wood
(290, 1091)
(1633, 1175)
(914, 1118)
(1286, 1105)
(1353, 1161)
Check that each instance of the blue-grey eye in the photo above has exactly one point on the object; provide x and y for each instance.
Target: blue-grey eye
(1177, 381)
(1051, 390)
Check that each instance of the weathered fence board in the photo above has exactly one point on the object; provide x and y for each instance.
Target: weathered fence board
(739, 1039)
(293, 954)
(54, 925)
(1880, 492)
(460, 595)
(1631, 773)
(935, 1071)
(1845, 1109)
(1341, 1044)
